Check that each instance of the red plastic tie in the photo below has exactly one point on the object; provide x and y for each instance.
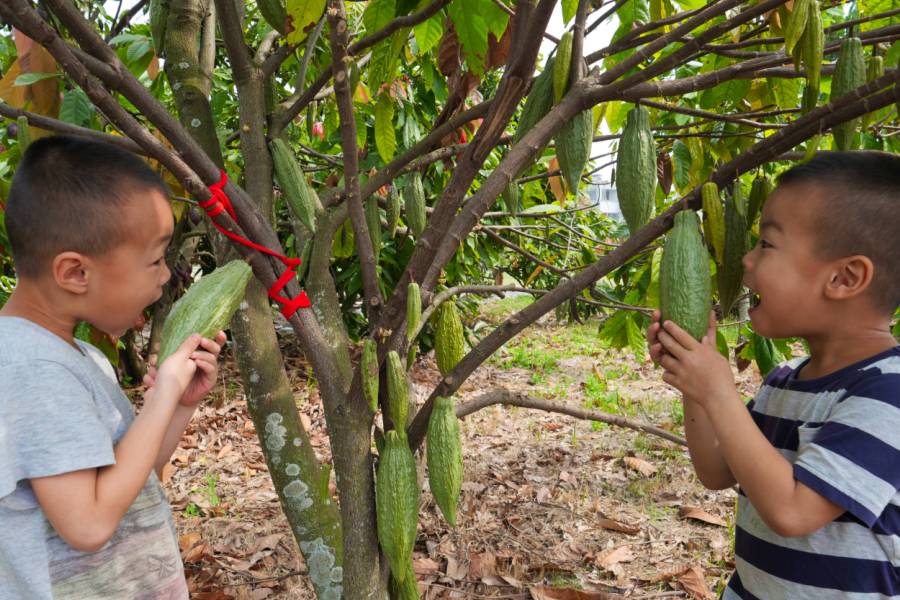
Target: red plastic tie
(218, 202)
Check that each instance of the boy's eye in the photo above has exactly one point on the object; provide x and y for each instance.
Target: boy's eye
(764, 244)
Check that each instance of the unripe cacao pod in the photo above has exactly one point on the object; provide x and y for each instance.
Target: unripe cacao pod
(444, 456)
(562, 66)
(762, 187)
(538, 102)
(713, 219)
(796, 24)
(573, 147)
(510, 197)
(373, 222)
(685, 293)
(414, 204)
(636, 169)
(849, 74)
(413, 318)
(274, 13)
(812, 45)
(159, 18)
(874, 70)
(206, 308)
(302, 200)
(398, 390)
(397, 503)
(448, 337)
(23, 132)
(408, 589)
(393, 211)
(369, 373)
(731, 271)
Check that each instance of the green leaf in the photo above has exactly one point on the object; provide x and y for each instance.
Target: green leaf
(472, 30)
(385, 59)
(76, 108)
(29, 78)
(126, 38)
(302, 15)
(786, 91)
(569, 8)
(138, 50)
(496, 19)
(378, 14)
(653, 289)
(428, 34)
(681, 157)
(728, 93)
(385, 136)
(635, 335)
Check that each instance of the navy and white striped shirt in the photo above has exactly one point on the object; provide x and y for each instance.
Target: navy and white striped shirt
(842, 434)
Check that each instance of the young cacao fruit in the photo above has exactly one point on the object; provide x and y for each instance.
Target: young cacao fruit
(444, 456)
(713, 218)
(397, 503)
(510, 198)
(812, 45)
(797, 23)
(23, 132)
(685, 290)
(274, 13)
(414, 204)
(562, 66)
(448, 337)
(398, 391)
(369, 373)
(636, 169)
(206, 308)
(849, 74)
(874, 70)
(159, 17)
(302, 200)
(373, 222)
(731, 271)
(762, 187)
(538, 102)
(393, 211)
(408, 589)
(413, 318)
(573, 147)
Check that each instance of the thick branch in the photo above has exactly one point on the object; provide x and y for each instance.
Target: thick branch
(510, 398)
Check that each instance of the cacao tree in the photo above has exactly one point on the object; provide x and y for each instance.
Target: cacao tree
(410, 154)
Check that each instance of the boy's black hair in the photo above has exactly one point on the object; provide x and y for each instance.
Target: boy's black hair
(68, 194)
(860, 212)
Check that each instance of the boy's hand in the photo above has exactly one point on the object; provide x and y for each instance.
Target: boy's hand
(695, 368)
(203, 355)
(656, 349)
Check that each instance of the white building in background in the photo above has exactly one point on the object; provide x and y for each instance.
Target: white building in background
(606, 198)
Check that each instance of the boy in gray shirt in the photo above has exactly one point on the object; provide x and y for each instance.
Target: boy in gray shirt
(82, 513)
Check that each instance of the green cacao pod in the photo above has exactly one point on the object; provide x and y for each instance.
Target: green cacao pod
(810, 99)
(538, 102)
(414, 204)
(812, 45)
(274, 13)
(762, 187)
(874, 70)
(302, 200)
(444, 456)
(511, 199)
(369, 373)
(764, 353)
(731, 271)
(448, 337)
(23, 132)
(397, 503)
(159, 18)
(636, 169)
(413, 319)
(713, 219)
(796, 24)
(573, 147)
(206, 308)
(685, 291)
(398, 390)
(373, 222)
(849, 74)
(408, 589)
(393, 211)
(562, 66)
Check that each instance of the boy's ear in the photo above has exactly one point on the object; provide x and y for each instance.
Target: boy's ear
(851, 276)
(70, 272)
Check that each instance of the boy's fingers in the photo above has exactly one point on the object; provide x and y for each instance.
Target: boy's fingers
(678, 334)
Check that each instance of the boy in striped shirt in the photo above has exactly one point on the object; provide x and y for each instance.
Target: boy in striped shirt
(816, 453)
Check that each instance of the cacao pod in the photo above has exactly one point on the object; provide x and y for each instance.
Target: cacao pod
(874, 70)
(414, 204)
(849, 74)
(573, 147)
(159, 18)
(510, 197)
(731, 271)
(797, 23)
(562, 66)
(636, 169)
(274, 13)
(713, 219)
(302, 200)
(393, 211)
(538, 102)
(812, 45)
(762, 187)
(398, 391)
(408, 589)
(685, 293)
(397, 503)
(413, 318)
(373, 222)
(444, 456)
(206, 308)
(23, 132)
(448, 337)
(369, 373)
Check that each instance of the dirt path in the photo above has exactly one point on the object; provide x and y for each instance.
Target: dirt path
(548, 500)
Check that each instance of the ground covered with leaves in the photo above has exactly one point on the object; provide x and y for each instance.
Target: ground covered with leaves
(552, 507)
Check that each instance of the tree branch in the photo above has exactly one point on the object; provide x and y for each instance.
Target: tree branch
(510, 398)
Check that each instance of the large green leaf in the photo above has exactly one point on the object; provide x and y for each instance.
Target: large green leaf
(429, 33)
(378, 14)
(569, 8)
(472, 30)
(302, 16)
(76, 108)
(386, 59)
(385, 136)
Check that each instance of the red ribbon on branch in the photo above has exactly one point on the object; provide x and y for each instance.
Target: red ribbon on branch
(218, 202)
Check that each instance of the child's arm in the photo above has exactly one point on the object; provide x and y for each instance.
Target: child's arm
(787, 506)
(706, 455)
(85, 506)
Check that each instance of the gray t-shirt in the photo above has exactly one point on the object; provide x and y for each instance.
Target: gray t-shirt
(62, 410)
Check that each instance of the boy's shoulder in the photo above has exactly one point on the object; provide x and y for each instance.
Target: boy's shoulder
(23, 342)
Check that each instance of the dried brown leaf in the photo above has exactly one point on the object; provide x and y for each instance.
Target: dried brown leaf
(540, 592)
(640, 465)
(694, 583)
(613, 556)
(698, 514)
